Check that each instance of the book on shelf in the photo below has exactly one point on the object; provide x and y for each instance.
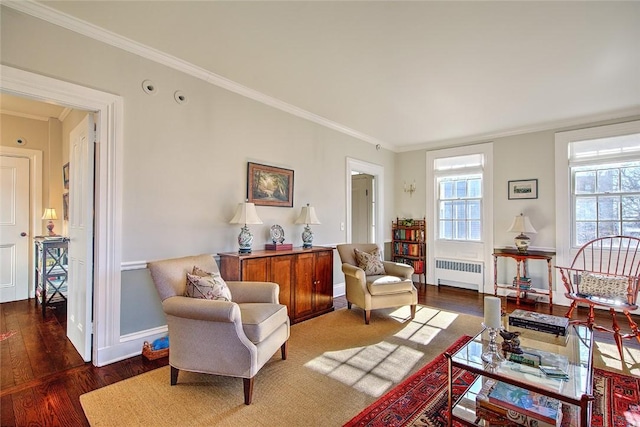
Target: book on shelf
(539, 322)
(525, 404)
(524, 283)
(526, 358)
(496, 414)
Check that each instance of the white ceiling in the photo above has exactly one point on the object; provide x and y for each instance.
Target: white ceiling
(408, 74)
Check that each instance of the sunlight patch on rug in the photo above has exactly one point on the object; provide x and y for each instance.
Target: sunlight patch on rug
(611, 357)
(427, 324)
(372, 369)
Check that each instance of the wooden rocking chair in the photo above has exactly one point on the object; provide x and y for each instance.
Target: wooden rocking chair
(604, 274)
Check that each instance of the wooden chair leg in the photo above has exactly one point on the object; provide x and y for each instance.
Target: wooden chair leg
(174, 375)
(616, 331)
(248, 390)
(633, 325)
(348, 305)
(284, 350)
(592, 317)
(573, 306)
(413, 311)
(367, 316)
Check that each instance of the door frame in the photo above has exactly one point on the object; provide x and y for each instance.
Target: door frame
(355, 165)
(108, 193)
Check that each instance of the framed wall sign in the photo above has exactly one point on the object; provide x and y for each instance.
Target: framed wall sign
(269, 185)
(523, 189)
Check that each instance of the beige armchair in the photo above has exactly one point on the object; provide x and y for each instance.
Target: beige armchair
(393, 289)
(216, 337)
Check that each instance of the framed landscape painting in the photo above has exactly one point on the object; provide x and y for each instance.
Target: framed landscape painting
(269, 185)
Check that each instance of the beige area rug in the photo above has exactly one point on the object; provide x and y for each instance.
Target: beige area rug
(337, 366)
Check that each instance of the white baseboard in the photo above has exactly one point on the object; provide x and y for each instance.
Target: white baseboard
(130, 345)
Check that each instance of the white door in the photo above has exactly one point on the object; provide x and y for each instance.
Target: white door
(80, 293)
(362, 209)
(14, 228)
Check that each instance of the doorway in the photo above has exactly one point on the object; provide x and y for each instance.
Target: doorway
(105, 337)
(362, 208)
(376, 172)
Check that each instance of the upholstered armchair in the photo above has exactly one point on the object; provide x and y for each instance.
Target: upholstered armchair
(391, 287)
(231, 338)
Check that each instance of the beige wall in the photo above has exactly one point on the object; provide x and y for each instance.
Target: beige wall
(185, 166)
(45, 136)
(525, 156)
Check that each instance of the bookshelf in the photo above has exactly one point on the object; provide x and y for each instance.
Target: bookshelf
(409, 246)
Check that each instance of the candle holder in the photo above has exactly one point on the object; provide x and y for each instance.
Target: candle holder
(492, 356)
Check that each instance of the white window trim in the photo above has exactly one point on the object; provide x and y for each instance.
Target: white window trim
(564, 251)
(485, 256)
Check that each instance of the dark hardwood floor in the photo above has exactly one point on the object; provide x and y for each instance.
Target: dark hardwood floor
(42, 376)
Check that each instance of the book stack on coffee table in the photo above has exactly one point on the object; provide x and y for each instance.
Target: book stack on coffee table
(501, 403)
(547, 323)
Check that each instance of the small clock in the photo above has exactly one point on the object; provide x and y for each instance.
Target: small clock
(277, 234)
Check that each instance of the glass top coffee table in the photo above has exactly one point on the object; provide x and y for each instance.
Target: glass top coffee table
(573, 354)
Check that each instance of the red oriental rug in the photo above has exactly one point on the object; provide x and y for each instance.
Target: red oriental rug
(421, 400)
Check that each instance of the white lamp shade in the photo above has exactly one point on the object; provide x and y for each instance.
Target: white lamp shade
(307, 216)
(521, 224)
(246, 214)
(49, 213)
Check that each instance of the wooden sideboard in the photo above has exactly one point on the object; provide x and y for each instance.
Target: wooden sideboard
(305, 277)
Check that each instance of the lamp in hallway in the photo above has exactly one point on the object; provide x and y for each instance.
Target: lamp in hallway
(245, 214)
(50, 214)
(521, 224)
(307, 217)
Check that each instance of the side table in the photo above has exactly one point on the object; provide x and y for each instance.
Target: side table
(522, 260)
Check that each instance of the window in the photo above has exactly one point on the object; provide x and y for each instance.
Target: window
(605, 187)
(459, 197)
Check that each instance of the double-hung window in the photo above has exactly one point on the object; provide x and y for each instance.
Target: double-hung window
(459, 197)
(605, 187)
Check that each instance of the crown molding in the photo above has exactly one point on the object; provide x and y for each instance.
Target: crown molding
(53, 16)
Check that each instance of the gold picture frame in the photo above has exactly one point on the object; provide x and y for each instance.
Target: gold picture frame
(269, 185)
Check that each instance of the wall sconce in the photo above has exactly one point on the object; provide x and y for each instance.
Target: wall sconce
(411, 188)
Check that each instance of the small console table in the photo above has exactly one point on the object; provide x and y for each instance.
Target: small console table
(522, 260)
(51, 270)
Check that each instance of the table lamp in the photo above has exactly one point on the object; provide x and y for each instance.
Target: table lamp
(307, 217)
(245, 214)
(50, 214)
(521, 224)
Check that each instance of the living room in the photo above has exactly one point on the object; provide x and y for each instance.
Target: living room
(183, 166)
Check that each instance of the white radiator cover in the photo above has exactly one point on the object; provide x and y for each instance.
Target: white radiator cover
(461, 274)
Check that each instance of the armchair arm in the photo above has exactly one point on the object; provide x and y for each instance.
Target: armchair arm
(202, 309)
(242, 292)
(353, 271)
(398, 269)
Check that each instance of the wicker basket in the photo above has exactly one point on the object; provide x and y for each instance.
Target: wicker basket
(151, 354)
